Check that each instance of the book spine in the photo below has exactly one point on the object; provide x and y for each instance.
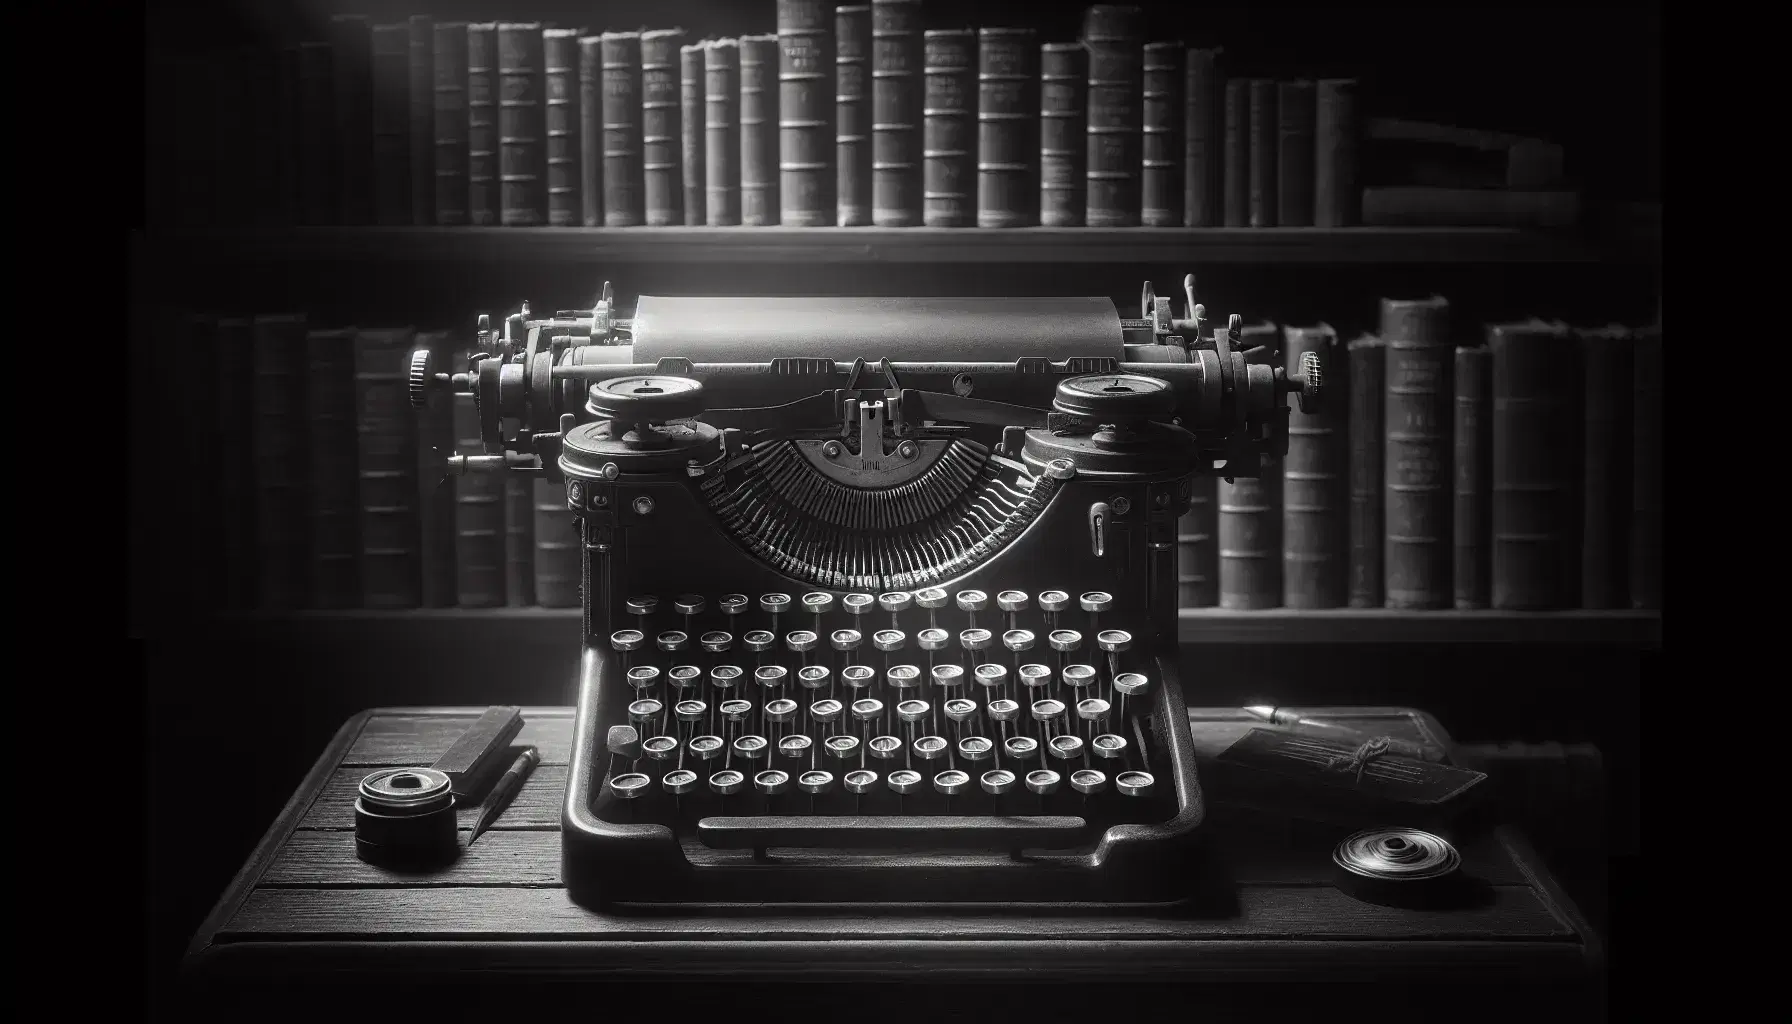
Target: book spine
(277, 438)
(1295, 113)
(1473, 526)
(1417, 547)
(1197, 547)
(896, 119)
(1250, 522)
(1608, 358)
(423, 119)
(852, 114)
(519, 541)
(947, 139)
(386, 471)
(482, 124)
(1646, 485)
(662, 141)
(1314, 518)
(1237, 177)
(1536, 449)
(806, 113)
(558, 551)
(1367, 370)
(1203, 148)
(193, 563)
(591, 131)
(233, 361)
(435, 500)
(758, 131)
(1114, 37)
(351, 40)
(721, 131)
(1063, 131)
(690, 85)
(318, 178)
(561, 125)
(478, 519)
(332, 491)
(1264, 138)
(1162, 182)
(1007, 128)
(270, 186)
(451, 140)
(522, 127)
(1336, 195)
(622, 130)
(392, 124)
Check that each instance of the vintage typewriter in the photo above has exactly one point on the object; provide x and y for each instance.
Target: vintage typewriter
(879, 594)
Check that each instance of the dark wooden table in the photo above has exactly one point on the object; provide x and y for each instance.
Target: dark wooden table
(304, 912)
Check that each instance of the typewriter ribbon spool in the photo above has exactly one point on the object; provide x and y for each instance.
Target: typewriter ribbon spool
(1398, 867)
(405, 816)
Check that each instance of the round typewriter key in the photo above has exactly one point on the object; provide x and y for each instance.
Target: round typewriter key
(1108, 745)
(974, 639)
(842, 747)
(1044, 781)
(1018, 640)
(1131, 683)
(679, 781)
(689, 604)
(818, 601)
(951, 782)
(630, 785)
(825, 710)
(759, 640)
(627, 640)
(795, 746)
(858, 604)
(781, 710)
(867, 709)
(1012, 600)
(750, 747)
(1079, 676)
(885, 747)
(948, 675)
(913, 710)
(623, 741)
(645, 710)
(858, 676)
(888, 640)
(932, 597)
(815, 783)
(1133, 783)
(1096, 601)
(903, 677)
(1020, 748)
(975, 748)
(814, 677)
(1065, 639)
(683, 676)
(972, 600)
(1088, 781)
(895, 601)
(736, 710)
(726, 782)
(705, 747)
(1032, 676)
(846, 639)
(990, 675)
(642, 677)
(772, 782)
(770, 676)
(1114, 640)
(1092, 709)
(933, 639)
(929, 748)
(774, 603)
(1047, 710)
(690, 710)
(960, 710)
(1054, 601)
(716, 641)
(905, 780)
(1004, 710)
(1065, 747)
(998, 782)
(732, 604)
(642, 604)
(861, 781)
(800, 641)
(725, 677)
(660, 748)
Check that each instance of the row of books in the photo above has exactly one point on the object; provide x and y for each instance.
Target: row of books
(851, 115)
(1520, 471)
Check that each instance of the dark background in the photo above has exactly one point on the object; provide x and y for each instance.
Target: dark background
(263, 698)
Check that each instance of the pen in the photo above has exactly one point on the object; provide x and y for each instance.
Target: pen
(505, 791)
(1320, 727)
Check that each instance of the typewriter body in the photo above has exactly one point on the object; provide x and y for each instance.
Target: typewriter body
(879, 594)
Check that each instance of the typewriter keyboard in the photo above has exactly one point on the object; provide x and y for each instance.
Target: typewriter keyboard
(905, 705)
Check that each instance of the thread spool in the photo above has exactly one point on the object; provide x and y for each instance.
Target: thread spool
(1400, 867)
(405, 816)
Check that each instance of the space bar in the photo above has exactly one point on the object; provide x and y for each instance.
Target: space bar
(935, 832)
